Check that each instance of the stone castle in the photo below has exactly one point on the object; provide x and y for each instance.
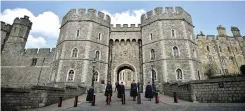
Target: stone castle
(163, 47)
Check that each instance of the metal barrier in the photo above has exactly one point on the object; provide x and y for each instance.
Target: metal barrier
(175, 97)
(123, 98)
(156, 98)
(108, 100)
(138, 99)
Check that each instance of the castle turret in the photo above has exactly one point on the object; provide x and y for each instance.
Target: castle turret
(235, 31)
(221, 31)
(16, 40)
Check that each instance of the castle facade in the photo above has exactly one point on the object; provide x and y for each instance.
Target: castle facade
(163, 48)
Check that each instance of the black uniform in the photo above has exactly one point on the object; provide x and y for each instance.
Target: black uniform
(133, 91)
(108, 90)
(121, 91)
(90, 94)
(148, 92)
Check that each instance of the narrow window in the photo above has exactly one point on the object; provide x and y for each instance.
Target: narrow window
(173, 33)
(70, 75)
(199, 77)
(208, 48)
(220, 49)
(229, 49)
(179, 74)
(97, 55)
(96, 76)
(74, 52)
(152, 54)
(194, 53)
(34, 61)
(15, 29)
(223, 60)
(176, 51)
(226, 71)
(129, 76)
(210, 59)
(151, 36)
(53, 76)
(236, 49)
(77, 33)
(232, 60)
(99, 36)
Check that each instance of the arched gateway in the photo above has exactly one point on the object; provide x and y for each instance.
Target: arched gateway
(125, 73)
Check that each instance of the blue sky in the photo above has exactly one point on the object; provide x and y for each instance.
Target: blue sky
(206, 15)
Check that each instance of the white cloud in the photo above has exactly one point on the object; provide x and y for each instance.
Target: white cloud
(36, 42)
(46, 24)
(126, 17)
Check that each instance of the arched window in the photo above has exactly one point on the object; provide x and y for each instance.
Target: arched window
(208, 48)
(71, 75)
(176, 51)
(53, 76)
(173, 33)
(97, 55)
(199, 76)
(151, 36)
(179, 74)
(129, 76)
(96, 76)
(74, 52)
(154, 74)
(223, 60)
(220, 49)
(78, 33)
(194, 53)
(152, 54)
(229, 49)
(99, 36)
(232, 59)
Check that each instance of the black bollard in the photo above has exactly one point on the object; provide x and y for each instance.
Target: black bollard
(75, 101)
(60, 102)
(138, 99)
(156, 98)
(108, 100)
(93, 101)
(175, 97)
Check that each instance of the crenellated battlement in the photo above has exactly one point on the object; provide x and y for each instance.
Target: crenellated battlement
(168, 14)
(5, 27)
(87, 15)
(23, 21)
(39, 51)
(125, 27)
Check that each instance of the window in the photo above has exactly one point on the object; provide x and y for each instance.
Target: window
(179, 74)
(226, 71)
(74, 52)
(96, 76)
(210, 59)
(129, 76)
(220, 49)
(229, 49)
(199, 77)
(176, 51)
(97, 55)
(194, 53)
(53, 75)
(77, 33)
(236, 49)
(151, 36)
(152, 54)
(173, 33)
(15, 29)
(71, 75)
(34, 61)
(208, 48)
(223, 60)
(232, 59)
(99, 36)
(154, 75)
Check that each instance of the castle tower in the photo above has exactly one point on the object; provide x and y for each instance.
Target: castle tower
(169, 51)
(17, 40)
(235, 31)
(84, 36)
(221, 31)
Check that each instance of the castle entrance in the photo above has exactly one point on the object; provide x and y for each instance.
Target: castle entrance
(125, 74)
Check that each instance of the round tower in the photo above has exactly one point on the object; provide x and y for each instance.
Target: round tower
(84, 36)
(168, 45)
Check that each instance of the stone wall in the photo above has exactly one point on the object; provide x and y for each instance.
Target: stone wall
(225, 90)
(36, 96)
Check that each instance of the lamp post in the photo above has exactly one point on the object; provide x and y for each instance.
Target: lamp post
(93, 63)
(153, 82)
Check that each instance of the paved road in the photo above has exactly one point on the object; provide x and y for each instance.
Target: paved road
(146, 105)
